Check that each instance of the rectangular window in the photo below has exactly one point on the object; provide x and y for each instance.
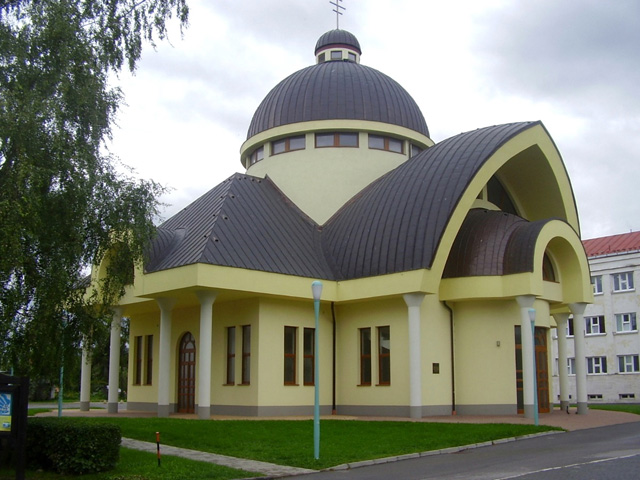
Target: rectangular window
(290, 350)
(336, 139)
(622, 282)
(571, 366)
(246, 354)
(626, 322)
(594, 396)
(288, 144)
(309, 347)
(596, 365)
(384, 356)
(365, 356)
(415, 150)
(626, 396)
(628, 364)
(570, 327)
(231, 355)
(378, 142)
(594, 325)
(336, 55)
(596, 283)
(148, 379)
(257, 155)
(137, 347)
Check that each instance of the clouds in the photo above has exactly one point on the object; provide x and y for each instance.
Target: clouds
(468, 64)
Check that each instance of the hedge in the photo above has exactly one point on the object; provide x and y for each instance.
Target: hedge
(71, 445)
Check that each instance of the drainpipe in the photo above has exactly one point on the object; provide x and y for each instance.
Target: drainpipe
(333, 316)
(453, 370)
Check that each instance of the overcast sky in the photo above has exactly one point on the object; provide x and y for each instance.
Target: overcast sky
(574, 64)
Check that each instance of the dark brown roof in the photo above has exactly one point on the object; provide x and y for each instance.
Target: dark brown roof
(493, 243)
(394, 225)
(338, 90)
(621, 243)
(335, 38)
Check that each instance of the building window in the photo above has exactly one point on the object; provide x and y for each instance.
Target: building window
(365, 356)
(337, 139)
(570, 327)
(594, 396)
(389, 144)
(548, 272)
(628, 364)
(321, 58)
(352, 56)
(571, 366)
(336, 55)
(290, 350)
(246, 354)
(148, 378)
(231, 355)
(288, 144)
(622, 282)
(626, 396)
(384, 356)
(309, 359)
(594, 325)
(596, 365)
(415, 150)
(596, 283)
(257, 155)
(138, 352)
(626, 322)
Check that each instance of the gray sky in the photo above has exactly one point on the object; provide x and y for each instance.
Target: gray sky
(574, 64)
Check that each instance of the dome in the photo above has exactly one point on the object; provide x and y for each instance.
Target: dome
(337, 38)
(338, 90)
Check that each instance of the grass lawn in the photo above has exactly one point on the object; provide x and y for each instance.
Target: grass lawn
(629, 408)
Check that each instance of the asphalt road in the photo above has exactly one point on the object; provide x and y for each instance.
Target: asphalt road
(593, 454)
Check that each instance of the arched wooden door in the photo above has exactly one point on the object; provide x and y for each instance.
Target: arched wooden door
(187, 374)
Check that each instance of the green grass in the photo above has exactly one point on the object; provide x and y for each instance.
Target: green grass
(135, 465)
(34, 411)
(290, 442)
(629, 408)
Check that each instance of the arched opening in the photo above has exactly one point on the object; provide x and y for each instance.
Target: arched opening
(187, 374)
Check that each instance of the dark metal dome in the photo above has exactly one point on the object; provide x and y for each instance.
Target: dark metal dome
(338, 90)
(335, 38)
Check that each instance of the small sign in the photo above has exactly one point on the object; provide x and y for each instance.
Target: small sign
(6, 400)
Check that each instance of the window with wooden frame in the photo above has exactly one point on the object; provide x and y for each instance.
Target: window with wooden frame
(231, 356)
(246, 354)
(390, 144)
(288, 144)
(309, 360)
(138, 352)
(290, 355)
(365, 356)
(337, 139)
(384, 356)
(148, 376)
(256, 155)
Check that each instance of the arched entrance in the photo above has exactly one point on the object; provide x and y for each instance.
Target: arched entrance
(187, 374)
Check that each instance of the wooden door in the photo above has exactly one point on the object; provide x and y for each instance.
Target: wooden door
(541, 367)
(187, 374)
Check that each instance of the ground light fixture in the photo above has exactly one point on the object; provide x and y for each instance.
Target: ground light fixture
(532, 317)
(316, 290)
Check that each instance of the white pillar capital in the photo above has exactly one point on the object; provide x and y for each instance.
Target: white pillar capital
(413, 299)
(577, 308)
(526, 301)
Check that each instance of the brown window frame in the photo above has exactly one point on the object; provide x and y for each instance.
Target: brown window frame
(291, 356)
(309, 356)
(365, 358)
(386, 143)
(148, 376)
(137, 374)
(231, 356)
(256, 156)
(336, 140)
(246, 354)
(287, 145)
(384, 358)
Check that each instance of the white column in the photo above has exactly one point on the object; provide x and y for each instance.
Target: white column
(85, 377)
(114, 362)
(164, 355)
(563, 374)
(581, 361)
(414, 301)
(528, 368)
(206, 298)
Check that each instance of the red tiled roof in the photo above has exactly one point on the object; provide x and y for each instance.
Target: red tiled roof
(624, 242)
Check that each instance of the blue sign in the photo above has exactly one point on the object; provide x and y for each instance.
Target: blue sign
(6, 399)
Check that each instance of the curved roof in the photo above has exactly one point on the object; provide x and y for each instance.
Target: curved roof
(337, 38)
(338, 90)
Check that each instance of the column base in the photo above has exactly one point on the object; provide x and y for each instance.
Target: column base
(204, 413)
(564, 405)
(163, 411)
(583, 408)
(529, 411)
(84, 406)
(112, 407)
(415, 412)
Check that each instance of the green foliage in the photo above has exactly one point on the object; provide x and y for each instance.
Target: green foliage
(72, 447)
(619, 407)
(64, 202)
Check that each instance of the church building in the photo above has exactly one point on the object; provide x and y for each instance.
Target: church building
(434, 259)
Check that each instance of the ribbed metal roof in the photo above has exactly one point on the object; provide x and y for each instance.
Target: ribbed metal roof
(337, 37)
(244, 222)
(396, 223)
(493, 243)
(338, 90)
(613, 244)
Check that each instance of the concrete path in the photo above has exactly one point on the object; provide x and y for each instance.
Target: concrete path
(269, 469)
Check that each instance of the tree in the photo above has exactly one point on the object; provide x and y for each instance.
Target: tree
(64, 203)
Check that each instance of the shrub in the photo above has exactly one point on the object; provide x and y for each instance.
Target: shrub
(72, 446)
